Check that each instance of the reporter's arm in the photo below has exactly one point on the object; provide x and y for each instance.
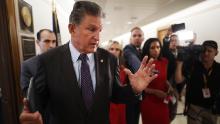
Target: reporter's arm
(178, 73)
(159, 93)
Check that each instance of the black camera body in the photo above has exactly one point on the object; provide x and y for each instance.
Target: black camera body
(177, 27)
(189, 52)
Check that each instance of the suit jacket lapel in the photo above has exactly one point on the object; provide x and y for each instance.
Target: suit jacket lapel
(100, 66)
(70, 76)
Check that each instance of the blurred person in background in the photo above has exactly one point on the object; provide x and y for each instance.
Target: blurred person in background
(132, 57)
(117, 113)
(46, 40)
(202, 84)
(154, 107)
(170, 52)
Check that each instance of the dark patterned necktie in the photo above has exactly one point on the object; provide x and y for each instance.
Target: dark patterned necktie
(139, 52)
(86, 82)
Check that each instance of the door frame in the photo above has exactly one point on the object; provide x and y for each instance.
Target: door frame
(11, 100)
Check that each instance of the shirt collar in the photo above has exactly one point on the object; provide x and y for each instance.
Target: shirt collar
(75, 53)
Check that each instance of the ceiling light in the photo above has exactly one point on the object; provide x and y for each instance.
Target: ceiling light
(108, 22)
(129, 22)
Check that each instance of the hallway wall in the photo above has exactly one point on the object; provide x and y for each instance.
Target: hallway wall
(202, 18)
(42, 18)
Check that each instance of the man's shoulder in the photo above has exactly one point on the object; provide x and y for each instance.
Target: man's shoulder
(55, 52)
(129, 46)
(99, 49)
(217, 65)
(30, 61)
(103, 52)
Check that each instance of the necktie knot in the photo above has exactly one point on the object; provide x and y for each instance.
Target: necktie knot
(83, 57)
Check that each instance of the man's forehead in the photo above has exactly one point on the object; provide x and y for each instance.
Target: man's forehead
(209, 48)
(99, 25)
(45, 33)
(48, 36)
(94, 21)
(137, 31)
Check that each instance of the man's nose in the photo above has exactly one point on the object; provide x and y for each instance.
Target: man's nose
(97, 36)
(52, 44)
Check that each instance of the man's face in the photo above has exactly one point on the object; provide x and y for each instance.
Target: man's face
(137, 37)
(85, 36)
(209, 54)
(47, 41)
(173, 42)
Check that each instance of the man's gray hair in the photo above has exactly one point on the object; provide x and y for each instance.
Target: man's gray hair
(82, 8)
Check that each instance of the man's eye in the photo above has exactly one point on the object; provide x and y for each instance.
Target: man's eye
(92, 29)
(46, 41)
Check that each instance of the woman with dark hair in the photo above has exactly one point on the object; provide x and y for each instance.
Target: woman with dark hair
(154, 108)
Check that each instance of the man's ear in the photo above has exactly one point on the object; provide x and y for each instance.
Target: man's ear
(37, 41)
(71, 28)
(216, 53)
(142, 38)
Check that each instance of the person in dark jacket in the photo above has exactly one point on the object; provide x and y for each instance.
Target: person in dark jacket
(78, 80)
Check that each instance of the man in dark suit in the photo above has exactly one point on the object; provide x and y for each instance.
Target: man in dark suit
(46, 40)
(132, 56)
(78, 80)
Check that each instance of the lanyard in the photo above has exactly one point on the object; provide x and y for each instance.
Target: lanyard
(205, 78)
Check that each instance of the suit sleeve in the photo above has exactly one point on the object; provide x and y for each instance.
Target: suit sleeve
(120, 94)
(25, 77)
(165, 48)
(132, 60)
(39, 95)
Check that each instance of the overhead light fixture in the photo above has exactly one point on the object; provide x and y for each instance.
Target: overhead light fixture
(129, 22)
(108, 22)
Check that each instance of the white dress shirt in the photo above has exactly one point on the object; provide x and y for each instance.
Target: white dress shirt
(77, 64)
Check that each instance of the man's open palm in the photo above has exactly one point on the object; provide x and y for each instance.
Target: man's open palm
(141, 79)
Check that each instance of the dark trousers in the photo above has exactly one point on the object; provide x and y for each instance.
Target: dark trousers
(180, 87)
(132, 113)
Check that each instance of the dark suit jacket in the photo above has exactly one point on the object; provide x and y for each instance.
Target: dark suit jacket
(28, 70)
(56, 86)
(171, 59)
(132, 57)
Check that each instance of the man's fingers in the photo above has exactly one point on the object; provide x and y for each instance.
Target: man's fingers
(149, 63)
(26, 108)
(30, 116)
(151, 69)
(128, 72)
(143, 62)
(153, 77)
